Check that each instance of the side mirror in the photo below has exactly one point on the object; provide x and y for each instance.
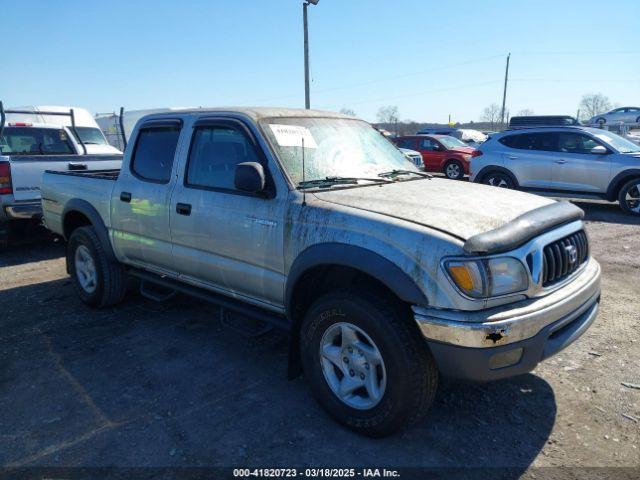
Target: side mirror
(599, 150)
(249, 177)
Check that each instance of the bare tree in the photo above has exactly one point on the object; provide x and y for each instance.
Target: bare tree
(526, 112)
(347, 111)
(492, 114)
(594, 104)
(388, 114)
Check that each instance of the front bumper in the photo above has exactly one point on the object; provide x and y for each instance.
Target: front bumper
(511, 339)
(23, 211)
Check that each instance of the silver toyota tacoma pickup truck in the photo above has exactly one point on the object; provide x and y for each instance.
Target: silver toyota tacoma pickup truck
(312, 221)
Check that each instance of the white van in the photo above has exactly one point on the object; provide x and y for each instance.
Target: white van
(85, 125)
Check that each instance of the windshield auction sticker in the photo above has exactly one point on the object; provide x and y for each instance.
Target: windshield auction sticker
(293, 135)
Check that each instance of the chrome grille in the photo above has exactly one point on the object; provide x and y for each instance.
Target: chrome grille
(563, 257)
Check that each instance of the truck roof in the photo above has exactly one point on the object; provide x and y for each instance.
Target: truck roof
(255, 113)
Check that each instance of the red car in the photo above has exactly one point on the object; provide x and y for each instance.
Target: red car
(440, 153)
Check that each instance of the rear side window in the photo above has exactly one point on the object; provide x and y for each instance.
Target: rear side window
(531, 141)
(35, 141)
(154, 153)
(215, 153)
(409, 143)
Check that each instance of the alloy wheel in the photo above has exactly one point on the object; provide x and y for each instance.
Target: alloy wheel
(452, 170)
(85, 269)
(632, 198)
(353, 366)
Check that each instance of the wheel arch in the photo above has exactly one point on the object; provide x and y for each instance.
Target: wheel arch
(80, 213)
(496, 168)
(323, 267)
(619, 180)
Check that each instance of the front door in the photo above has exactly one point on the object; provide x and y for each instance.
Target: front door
(223, 238)
(140, 204)
(433, 154)
(575, 168)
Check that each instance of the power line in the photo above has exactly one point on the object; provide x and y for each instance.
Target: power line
(390, 78)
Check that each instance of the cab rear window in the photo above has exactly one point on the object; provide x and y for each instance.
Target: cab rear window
(35, 141)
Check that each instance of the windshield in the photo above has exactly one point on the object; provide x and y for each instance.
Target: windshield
(91, 135)
(35, 141)
(333, 147)
(452, 142)
(616, 141)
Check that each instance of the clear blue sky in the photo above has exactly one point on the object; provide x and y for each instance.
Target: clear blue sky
(430, 58)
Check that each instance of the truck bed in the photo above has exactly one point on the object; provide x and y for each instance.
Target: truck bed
(110, 174)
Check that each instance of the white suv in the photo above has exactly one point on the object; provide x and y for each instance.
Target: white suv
(562, 161)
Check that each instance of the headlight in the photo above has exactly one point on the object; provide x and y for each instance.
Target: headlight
(488, 277)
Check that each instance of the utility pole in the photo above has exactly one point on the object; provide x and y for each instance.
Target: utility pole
(307, 100)
(504, 92)
(305, 4)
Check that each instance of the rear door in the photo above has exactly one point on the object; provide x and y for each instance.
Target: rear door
(433, 154)
(142, 196)
(529, 156)
(575, 168)
(223, 238)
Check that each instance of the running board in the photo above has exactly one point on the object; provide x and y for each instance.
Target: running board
(237, 306)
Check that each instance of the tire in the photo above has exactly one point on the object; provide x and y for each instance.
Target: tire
(498, 179)
(601, 121)
(627, 196)
(407, 377)
(453, 170)
(109, 284)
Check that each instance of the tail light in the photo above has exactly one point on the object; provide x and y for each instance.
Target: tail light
(5, 178)
(20, 124)
(476, 153)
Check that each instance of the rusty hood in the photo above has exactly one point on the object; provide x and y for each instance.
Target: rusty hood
(459, 208)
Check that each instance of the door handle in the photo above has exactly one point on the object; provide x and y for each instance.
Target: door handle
(560, 161)
(183, 209)
(125, 197)
(512, 157)
(77, 166)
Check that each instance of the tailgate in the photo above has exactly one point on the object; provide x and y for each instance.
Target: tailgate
(27, 170)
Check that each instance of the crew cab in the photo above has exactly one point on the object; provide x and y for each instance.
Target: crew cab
(440, 153)
(315, 223)
(28, 149)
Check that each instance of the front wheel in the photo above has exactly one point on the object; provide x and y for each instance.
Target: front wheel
(454, 170)
(629, 197)
(99, 281)
(367, 366)
(498, 179)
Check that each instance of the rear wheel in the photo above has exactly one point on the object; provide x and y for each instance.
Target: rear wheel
(366, 365)
(498, 179)
(629, 197)
(98, 281)
(454, 170)
(601, 121)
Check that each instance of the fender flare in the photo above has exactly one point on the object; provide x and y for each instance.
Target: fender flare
(491, 168)
(619, 180)
(358, 258)
(89, 211)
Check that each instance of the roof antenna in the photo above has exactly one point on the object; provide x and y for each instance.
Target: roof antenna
(304, 192)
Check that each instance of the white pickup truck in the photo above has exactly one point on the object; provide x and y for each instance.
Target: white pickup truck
(384, 276)
(29, 147)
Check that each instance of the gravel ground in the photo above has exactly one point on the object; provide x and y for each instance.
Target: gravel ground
(148, 384)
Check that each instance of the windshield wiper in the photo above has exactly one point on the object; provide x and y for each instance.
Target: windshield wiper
(396, 173)
(331, 181)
